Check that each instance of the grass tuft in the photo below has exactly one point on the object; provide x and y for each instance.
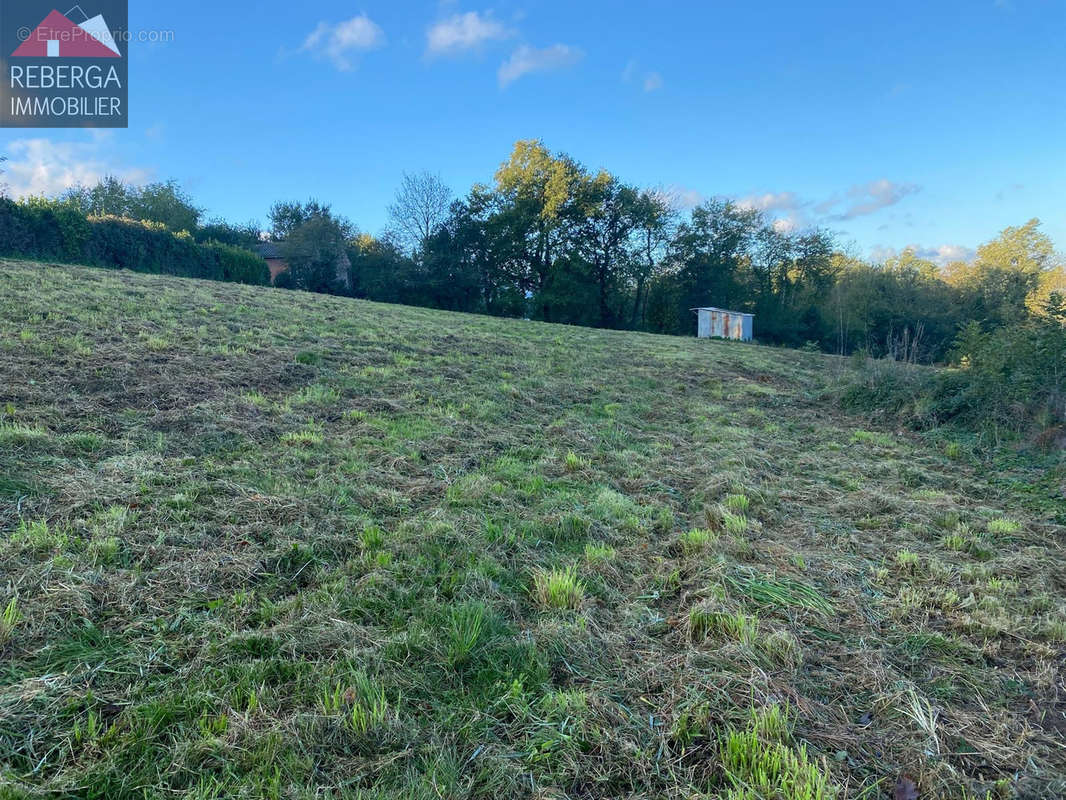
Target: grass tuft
(697, 540)
(781, 592)
(704, 624)
(10, 618)
(558, 588)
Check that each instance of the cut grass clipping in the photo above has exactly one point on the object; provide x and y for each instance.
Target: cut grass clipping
(781, 592)
(290, 546)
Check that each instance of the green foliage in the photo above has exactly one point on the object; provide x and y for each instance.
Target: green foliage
(781, 592)
(558, 588)
(1007, 381)
(9, 618)
(758, 768)
(163, 203)
(316, 252)
(57, 230)
(465, 626)
(697, 540)
(238, 264)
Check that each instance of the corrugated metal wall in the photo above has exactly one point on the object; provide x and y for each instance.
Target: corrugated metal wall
(724, 325)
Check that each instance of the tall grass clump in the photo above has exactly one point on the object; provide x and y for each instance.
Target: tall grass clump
(10, 617)
(558, 588)
(466, 624)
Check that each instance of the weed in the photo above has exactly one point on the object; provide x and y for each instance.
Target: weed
(558, 588)
(105, 551)
(361, 703)
(38, 536)
(373, 538)
(755, 769)
(697, 540)
(781, 592)
(12, 433)
(782, 649)
(907, 560)
(704, 624)
(370, 708)
(10, 617)
(738, 503)
(316, 394)
(1003, 526)
(309, 436)
(599, 553)
(735, 524)
(466, 623)
(574, 463)
(954, 541)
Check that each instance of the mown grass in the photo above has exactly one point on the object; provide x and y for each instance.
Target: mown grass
(256, 543)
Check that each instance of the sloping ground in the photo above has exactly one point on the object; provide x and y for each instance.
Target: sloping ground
(269, 544)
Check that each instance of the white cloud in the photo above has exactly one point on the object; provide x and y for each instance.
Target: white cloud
(790, 223)
(464, 32)
(941, 255)
(651, 81)
(866, 198)
(45, 167)
(769, 201)
(790, 212)
(526, 60)
(680, 198)
(340, 42)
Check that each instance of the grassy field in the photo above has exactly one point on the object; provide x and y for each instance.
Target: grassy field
(257, 543)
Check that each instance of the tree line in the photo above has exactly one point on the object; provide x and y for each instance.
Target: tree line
(550, 239)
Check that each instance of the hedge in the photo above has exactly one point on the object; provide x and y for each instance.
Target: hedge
(45, 230)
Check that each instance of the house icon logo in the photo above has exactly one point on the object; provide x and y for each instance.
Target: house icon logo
(64, 70)
(58, 36)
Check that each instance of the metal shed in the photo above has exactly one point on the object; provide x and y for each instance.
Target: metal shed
(721, 324)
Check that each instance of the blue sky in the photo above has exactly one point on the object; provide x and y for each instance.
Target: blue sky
(929, 123)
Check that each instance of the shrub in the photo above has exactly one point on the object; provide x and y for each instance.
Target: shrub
(1008, 380)
(49, 230)
(238, 265)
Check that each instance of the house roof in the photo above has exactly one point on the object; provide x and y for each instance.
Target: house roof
(269, 250)
(724, 310)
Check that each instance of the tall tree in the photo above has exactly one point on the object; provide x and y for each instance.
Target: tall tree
(1005, 273)
(316, 252)
(419, 210)
(286, 216)
(654, 221)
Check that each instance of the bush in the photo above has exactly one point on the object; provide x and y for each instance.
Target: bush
(47, 230)
(239, 265)
(1011, 379)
